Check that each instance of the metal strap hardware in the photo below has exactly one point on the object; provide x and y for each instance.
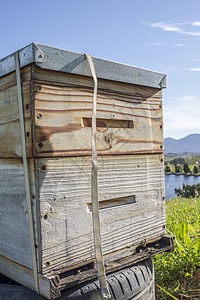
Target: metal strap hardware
(26, 174)
(94, 193)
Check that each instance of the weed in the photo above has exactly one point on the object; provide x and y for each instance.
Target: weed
(175, 271)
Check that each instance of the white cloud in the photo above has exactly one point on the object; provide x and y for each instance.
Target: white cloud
(178, 27)
(195, 69)
(182, 114)
(191, 33)
(196, 23)
(180, 45)
(188, 98)
(166, 27)
(164, 44)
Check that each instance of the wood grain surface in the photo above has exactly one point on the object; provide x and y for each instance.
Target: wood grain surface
(9, 115)
(66, 224)
(14, 227)
(57, 112)
(129, 118)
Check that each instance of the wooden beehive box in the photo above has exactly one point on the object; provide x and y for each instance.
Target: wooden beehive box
(57, 92)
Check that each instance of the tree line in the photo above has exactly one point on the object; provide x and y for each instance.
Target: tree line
(188, 191)
(185, 168)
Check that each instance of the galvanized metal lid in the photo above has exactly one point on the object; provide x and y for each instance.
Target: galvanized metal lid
(51, 58)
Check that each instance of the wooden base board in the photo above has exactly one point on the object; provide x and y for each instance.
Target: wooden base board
(51, 287)
(24, 276)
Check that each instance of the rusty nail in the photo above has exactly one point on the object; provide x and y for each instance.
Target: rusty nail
(40, 145)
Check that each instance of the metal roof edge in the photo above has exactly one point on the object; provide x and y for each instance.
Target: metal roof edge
(7, 64)
(51, 58)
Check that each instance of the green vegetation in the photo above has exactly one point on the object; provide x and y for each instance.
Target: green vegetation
(183, 165)
(186, 168)
(195, 170)
(187, 157)
(179, 169)
(178, 273)
(188, 191)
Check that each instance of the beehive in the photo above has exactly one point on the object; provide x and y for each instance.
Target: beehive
(57, 92)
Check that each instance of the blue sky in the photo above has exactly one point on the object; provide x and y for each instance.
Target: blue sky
(156, 35)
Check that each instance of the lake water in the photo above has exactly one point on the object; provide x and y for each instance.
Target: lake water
(176, 181)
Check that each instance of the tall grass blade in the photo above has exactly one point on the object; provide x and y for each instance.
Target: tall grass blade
(167, 292)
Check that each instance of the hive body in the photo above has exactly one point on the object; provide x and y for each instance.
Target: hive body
(57, 112)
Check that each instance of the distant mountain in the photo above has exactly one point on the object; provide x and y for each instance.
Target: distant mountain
(189, 144)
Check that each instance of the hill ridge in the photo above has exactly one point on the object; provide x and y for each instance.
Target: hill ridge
(189, 144)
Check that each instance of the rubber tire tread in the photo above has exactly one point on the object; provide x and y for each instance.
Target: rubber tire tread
(123, 285)
(135, 282)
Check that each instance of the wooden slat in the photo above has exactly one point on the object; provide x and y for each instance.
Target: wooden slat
(24, 276)
(63, 103)
(63, 114)
(61, 78)
(66, 224)
(9, 115)
(14, 227)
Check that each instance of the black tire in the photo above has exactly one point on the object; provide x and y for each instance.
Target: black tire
(133, 283)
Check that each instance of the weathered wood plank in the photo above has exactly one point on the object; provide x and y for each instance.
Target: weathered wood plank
(128, 120)
(24, 276)
(66, 224)
(9, 115)
(62, 110)
(14, 226)
(60, 78)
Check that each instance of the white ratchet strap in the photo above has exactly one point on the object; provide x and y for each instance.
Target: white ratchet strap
(26, 174)
(94, 193)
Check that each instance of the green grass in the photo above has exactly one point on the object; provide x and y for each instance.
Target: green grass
(175, 272)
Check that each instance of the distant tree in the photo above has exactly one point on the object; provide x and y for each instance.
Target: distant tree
(186, 168)
(178, 169)
(195, 170)
(178, 192)
(177, 161)
(167, 169)
(188, 191)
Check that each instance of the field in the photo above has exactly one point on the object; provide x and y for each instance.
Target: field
(178, 273)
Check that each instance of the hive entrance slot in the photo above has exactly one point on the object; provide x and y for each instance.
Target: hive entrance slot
(108, 123)
(114, 202)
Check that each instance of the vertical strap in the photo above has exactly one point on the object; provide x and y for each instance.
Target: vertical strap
(94, 193)
(26, 174)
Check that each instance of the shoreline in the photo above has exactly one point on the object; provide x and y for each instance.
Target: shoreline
(186, 175)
